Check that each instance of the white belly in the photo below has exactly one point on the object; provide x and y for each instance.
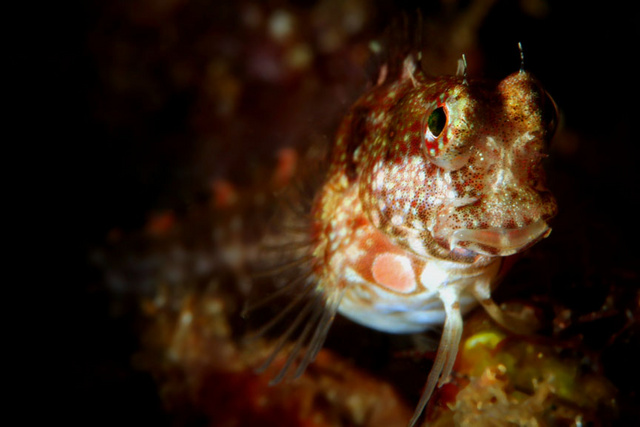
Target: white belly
(377, 307)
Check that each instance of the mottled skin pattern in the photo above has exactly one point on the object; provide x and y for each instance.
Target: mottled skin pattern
(431, 182)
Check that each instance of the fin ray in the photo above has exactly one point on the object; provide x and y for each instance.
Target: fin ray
(447, 349)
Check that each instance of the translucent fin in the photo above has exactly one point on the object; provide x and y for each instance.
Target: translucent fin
(313, 311)
(295, 228)
(322, 329)
(447, 350)
(294, 312)
(290, 246)
(284, 267)
(289, 288)
(293, 355)
(285, 336)
(301, 295)
(295, 206)
(482, 292)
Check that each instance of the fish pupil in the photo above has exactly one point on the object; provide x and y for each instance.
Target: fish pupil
(436, 121)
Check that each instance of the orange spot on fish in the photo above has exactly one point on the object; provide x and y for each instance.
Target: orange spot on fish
(394, 272)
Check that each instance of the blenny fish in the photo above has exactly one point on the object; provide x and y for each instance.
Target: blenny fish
(431, 184)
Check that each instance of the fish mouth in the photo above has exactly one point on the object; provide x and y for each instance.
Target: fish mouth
(498, 241)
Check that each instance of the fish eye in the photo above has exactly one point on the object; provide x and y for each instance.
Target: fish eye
(436, 122)
(448, 150)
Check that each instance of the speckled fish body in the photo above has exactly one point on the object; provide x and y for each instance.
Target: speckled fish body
(405, 213)
(431, 183)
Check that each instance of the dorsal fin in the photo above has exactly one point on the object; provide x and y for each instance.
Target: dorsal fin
(398, 52)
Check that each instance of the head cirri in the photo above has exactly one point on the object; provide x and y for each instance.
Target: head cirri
(452, 167)
(431, 182)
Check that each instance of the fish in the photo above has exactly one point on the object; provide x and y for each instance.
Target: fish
(432, 184)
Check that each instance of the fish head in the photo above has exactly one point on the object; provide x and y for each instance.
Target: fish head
(455, 170)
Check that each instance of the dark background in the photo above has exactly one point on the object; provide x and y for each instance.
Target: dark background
(116, 156)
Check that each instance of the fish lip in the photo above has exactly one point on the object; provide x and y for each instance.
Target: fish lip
(497, 240)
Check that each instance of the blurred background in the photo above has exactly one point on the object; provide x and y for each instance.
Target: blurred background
(154, 101)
